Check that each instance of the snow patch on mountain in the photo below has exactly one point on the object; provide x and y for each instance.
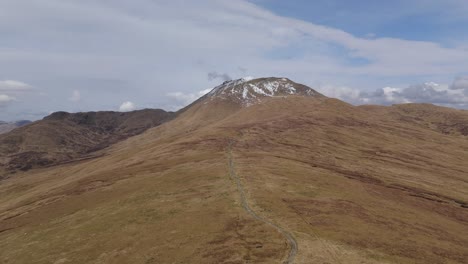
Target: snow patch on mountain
(248, 90)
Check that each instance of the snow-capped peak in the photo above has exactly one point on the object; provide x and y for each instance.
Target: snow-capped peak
(248, 90)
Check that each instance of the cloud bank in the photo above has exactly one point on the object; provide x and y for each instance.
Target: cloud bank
(460, 84)
(455, 95)
(146, 49)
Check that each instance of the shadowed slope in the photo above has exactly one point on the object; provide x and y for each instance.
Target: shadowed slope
(63, 136)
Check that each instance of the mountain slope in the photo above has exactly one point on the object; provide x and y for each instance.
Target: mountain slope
(63, 136)
(343, 175)
(350, 184)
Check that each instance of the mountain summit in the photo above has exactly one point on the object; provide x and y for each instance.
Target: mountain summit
(248, 91)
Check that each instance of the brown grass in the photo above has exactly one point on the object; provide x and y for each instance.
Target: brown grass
(352, 184)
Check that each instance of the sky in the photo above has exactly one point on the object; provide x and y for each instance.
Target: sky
(90, 55)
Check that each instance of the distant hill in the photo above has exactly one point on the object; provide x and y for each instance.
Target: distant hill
(63, 136)
(6, 127)
(22, 122)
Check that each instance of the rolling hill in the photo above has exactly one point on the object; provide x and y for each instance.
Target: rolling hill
(62, 137)
(256, 171)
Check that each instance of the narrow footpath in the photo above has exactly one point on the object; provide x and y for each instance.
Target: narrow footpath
(289, 237)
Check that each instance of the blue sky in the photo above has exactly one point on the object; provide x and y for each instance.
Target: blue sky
(83, 55)
(441, 21)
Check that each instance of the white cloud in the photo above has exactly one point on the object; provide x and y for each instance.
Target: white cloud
(127, 106)
(234, 31)
(460, 83)
(10, 90)
(5, 99)
(13, 86)
(182, 99)
(342, 92)
(430, 92)
(76, 96)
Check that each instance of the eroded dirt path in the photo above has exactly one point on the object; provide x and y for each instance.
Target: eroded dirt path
(289, 237)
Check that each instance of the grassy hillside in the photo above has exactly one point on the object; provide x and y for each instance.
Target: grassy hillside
(351, 184)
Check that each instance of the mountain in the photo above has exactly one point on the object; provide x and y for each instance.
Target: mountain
(248, 91)
(62, 137)
(287, 176)
(232, 96)
(6, 127)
